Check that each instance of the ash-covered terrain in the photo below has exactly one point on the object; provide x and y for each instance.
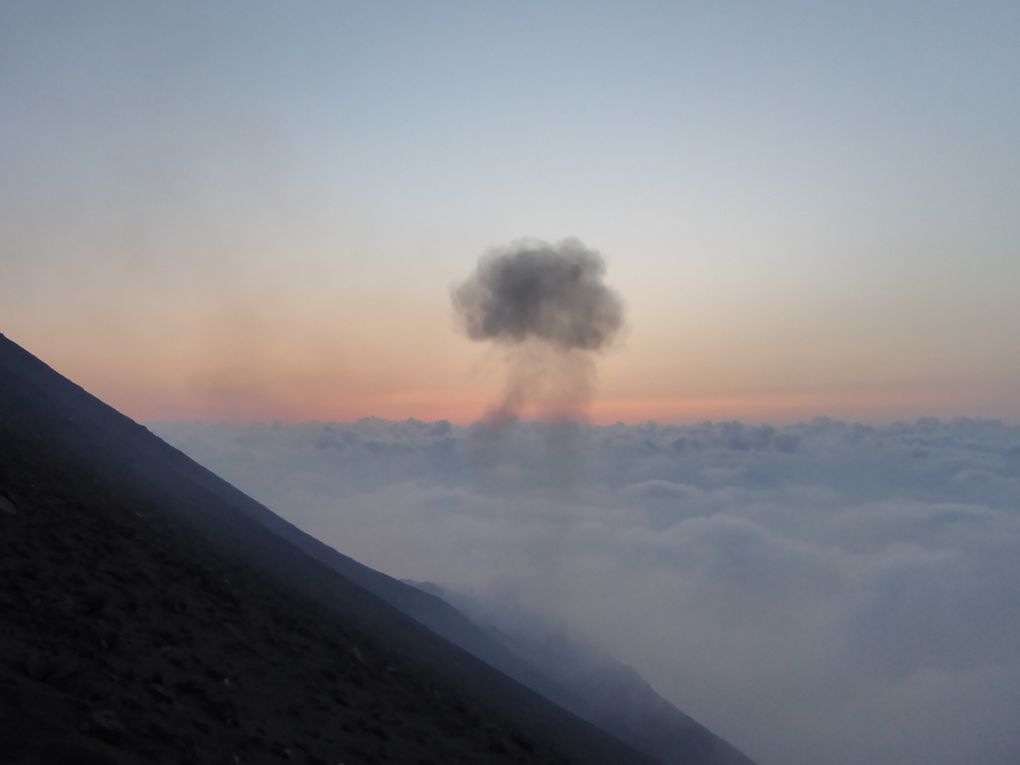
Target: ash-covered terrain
(150, 612)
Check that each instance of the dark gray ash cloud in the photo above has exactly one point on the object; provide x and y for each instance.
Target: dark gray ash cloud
(550, 307)
(537, 290)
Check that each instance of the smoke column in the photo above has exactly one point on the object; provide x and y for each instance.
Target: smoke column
(550, 307)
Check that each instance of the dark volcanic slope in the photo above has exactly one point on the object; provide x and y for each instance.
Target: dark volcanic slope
(144, 617)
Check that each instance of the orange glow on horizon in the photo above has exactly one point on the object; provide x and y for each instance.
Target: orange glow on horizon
(768, 407)
(310, 380)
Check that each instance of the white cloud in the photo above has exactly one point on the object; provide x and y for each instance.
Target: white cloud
(823, 592)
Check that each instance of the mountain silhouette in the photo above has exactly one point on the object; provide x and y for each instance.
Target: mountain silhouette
(151, 612)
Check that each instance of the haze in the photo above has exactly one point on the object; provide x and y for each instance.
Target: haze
(808, 208)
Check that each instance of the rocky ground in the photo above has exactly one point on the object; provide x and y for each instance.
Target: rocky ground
(145, 619)
(123, 636)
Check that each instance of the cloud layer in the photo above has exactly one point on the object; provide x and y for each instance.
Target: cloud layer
(824, 592)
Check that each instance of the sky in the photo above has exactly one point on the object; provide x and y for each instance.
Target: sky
(822, 592)
(247, 212)
(257, 211)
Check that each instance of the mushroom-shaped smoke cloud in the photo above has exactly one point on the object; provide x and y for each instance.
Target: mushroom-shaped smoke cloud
(541, 291)
(550, 304)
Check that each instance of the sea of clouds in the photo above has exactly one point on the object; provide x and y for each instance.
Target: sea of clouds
(818, 593)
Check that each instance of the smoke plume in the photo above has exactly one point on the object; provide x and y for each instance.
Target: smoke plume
(550, 306)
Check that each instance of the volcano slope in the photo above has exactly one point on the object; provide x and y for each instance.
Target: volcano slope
(145, 617)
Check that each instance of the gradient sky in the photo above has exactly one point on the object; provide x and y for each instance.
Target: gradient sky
(257, 210)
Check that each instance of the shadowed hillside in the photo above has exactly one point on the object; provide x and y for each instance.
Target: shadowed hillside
(146, 618)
